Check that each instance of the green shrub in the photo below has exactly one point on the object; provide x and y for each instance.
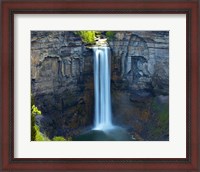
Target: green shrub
(58, 138)
(69, 139)
(35, 110)
(38, 136)
(33, 130)
(87, 37)
(110, 35)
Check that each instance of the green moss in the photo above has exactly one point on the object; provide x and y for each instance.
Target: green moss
(34, 111)
(163, 118)
(161, 125)
(38, 136)
(58, 138)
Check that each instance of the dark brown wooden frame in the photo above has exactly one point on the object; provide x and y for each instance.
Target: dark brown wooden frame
(11, 7)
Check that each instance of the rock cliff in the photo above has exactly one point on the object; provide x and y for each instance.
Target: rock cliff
(142, 59)
(62, 75)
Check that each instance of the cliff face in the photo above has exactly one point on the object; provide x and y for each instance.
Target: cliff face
(141, 59)
(62, 75)
(62, 81)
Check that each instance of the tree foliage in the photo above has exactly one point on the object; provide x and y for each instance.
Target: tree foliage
(110, 35)
(87, 37)
(35, 110)
(35, 131)
(38, 134)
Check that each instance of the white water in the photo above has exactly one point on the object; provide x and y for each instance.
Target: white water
(103, 112)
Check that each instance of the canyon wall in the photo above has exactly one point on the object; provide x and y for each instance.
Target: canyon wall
(62, 75)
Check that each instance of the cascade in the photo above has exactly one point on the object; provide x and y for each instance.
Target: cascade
(102, 73)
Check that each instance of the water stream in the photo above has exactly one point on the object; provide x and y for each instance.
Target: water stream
(102, 68)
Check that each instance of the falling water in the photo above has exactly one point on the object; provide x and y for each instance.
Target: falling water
(103, 112)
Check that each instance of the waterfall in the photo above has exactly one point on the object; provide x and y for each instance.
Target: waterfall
(103, 112)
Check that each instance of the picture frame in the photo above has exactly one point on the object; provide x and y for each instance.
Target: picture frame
(11, 7)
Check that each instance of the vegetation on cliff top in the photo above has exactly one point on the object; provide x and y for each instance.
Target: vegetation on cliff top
(89, 37)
